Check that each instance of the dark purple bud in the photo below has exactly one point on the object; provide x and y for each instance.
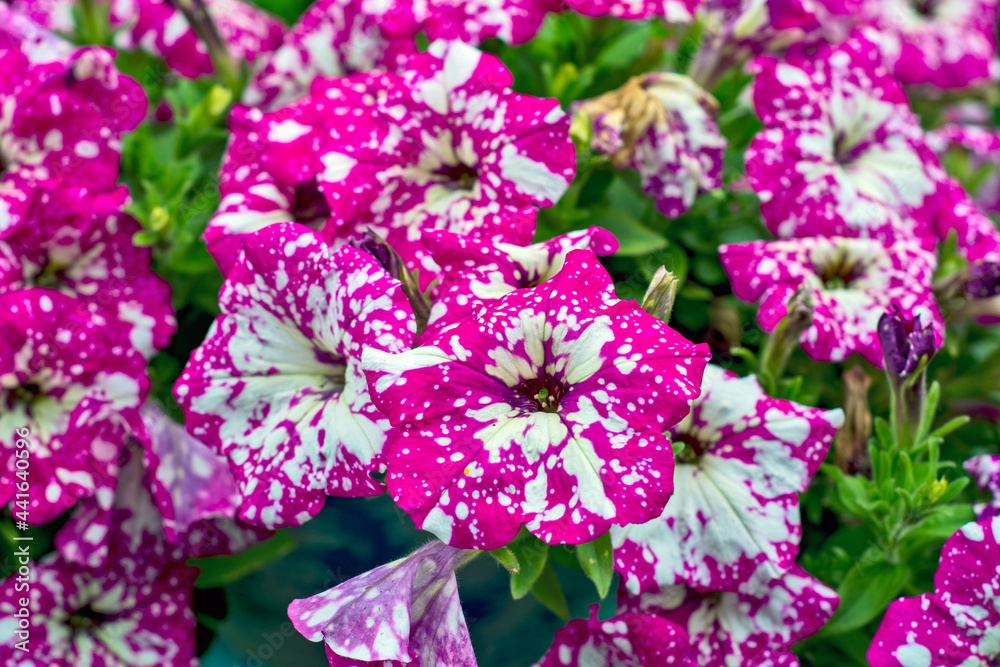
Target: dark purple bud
(383, 253)
(904, 342)
(984, 280)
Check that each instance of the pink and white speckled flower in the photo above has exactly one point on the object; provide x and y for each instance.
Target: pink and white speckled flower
(159, 29)
(333, 38)
(625, 640)
(268, 175)
(404, 612)
(662, 125)
(475, 272)
(841, 153)
(957, 625)
(175, 498)
(61, 124)
(72, 378)
(674, 11)
(444, 144)
(545, 409)
(976, 235)
(735, 509)
(985, 472)
(340, 37)
(89, 255)
(981, 146)
(944, 43)
(277, 385)
(754, 626)
(18, 30)
(852, 283)
(135, 611)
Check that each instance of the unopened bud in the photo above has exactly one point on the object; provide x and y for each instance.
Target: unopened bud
(218, 100)
(907, 344)
(659, 299)
(936, 491)
(387, 257)
(159, 218)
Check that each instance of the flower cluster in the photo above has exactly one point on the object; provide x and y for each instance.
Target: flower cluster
(161, 29)
(126, 495)
(81, 307)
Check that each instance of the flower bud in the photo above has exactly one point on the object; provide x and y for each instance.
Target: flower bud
(389, 259)
(906, 344)
(659, 299)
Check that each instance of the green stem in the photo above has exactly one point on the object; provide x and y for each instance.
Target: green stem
(222, 61)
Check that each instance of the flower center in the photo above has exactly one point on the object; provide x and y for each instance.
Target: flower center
(86, 618)
(335, 372)
(926, 8)
(840, 272)
(693, 447)
(310, 207)
(51, 276)
(26, 394)
(457, 176)
(544, 391)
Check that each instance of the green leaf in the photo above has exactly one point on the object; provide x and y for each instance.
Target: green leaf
(506, 557)
(548, 591)
(532, 556)
(223, 570)
(626, 48)
(866, 591)
(938, 527)
(634, 238)
(597, 560)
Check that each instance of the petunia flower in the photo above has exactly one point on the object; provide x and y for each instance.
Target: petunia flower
(73, 381)
(89, 254)
(753, 626)
(174, 496)
(981, 148)
(736, 31)
(841, 154)
(61, 126)
(625, 640)
(135, 611)
(662, 125)
(18, 29)
(404, 612)
(985, 472)
(475, 272)
(341, 37)
(976, 235)
(545, 409)
(268, 175)
(673, 11)
(277, 386)
(160, 29)
(852, 282)
(442, 144)
(944, 43)
(958, 624)
(735, 509)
